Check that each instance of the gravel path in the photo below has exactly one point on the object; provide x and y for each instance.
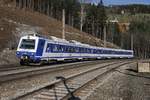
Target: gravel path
(125, 84)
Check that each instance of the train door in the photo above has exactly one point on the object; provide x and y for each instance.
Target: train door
(40, 47)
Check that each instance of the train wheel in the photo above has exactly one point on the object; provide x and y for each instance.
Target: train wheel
(22, 62)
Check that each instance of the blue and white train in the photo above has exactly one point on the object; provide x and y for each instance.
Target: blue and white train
(36, 49)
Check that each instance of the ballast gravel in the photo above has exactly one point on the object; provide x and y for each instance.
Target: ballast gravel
(125, 84)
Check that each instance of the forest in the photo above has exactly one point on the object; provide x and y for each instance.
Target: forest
(93, 16)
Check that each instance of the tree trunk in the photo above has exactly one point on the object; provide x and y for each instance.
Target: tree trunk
(93, 28)
(69, 19)
(51, 12)
(48, 10)
(14, 3)
(72, 21)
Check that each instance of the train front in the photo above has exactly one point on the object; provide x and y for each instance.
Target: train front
(26, 50)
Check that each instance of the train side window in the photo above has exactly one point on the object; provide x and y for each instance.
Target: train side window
(94, 51)
(109, 52)
(74, 49)
(91, 50)
(88, 51)
(54, 48)
(104, 51)
(67, 49)
(48, 48)
(60, 49)
(70, 50)
(99, 51)
(84, 50)
(80, 50)
(113, 52)
(64, 48)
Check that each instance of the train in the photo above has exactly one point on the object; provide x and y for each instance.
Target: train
(34, 48)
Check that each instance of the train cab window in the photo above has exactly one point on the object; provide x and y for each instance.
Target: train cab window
(27, 44)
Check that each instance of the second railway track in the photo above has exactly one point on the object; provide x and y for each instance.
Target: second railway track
(57, 91)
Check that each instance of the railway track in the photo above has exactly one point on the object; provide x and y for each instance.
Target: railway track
(18, 67)
(13, 73)
(12, 68)
(76, 82)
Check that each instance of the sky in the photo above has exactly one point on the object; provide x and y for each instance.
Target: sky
(122, 2)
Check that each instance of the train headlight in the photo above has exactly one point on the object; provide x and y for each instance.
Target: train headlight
(26, 57)
(22, 57)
